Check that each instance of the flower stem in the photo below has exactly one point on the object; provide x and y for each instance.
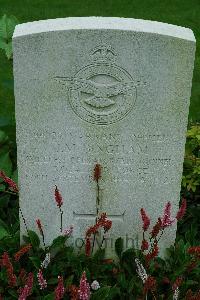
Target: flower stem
(97, 211)
(94, 239)
(61, 219)
(102, 241)
(43, 240)
(11, 193)
(23, 220)
(160, 235)
(154, 297)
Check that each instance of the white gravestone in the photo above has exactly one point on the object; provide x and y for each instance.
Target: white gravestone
(111, 91)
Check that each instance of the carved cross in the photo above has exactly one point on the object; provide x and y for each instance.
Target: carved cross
(93, 216)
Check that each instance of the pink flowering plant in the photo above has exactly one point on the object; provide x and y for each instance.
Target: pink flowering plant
(57, 271)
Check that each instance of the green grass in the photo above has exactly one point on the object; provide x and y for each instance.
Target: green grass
(179, 12)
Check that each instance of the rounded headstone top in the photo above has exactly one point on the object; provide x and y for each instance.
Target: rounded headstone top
(103, 23)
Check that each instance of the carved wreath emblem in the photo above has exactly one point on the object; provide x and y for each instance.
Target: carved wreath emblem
(102, 92)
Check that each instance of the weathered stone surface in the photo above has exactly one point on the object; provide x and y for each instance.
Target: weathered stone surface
(101, 90)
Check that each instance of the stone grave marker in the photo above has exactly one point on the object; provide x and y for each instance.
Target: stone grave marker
(111, 91)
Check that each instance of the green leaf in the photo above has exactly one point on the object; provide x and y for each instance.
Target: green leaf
(49, 296)
(7, 26)
(36, 261)
(119, 247)
(131, 284)
(8, 50)
(122, 281)
(198, 137)
(69, 280)
(58, 242)
(2, 187)
(13, 293)
(3, 232)
(106, 293)
(99, 255)
(3, 224)
(2, 44)
(114, 291)
(52, 281)
(191, 282)
(34, 239)
(15, 176)
(102, 293)
(3, 137)
(4, 200)
(5, 163)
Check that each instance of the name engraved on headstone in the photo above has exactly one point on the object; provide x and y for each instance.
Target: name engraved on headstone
(118, 152)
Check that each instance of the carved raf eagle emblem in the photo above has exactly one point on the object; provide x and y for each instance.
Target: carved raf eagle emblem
(99, 95)
(101, 92)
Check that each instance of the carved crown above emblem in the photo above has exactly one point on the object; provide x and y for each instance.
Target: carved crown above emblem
(103, 53)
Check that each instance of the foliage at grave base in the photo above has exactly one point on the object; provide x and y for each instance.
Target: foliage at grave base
(116, 280)
(58, 271)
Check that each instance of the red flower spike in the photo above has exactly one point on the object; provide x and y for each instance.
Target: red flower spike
(156, 229)
(156, 265)
(191, 296)
(97, 172)
(101, 222)
(60, 290)
(12, 280)
(107, 225)
(84, 288)
(87, 247)
(145, 219)
(145, 245)
(115, 271)
(177, 283)
(12, 185)
(22, 275)
(39, 225)
(182, 210)
(150, 284)
(191, 266)
(102, 219)
(155, 250)
(92, 230)
(152, 254)
(41, 281)
(73, 290)
(58, 197)
(27, 290)
(107, 261)
(166, 280)
(22, 251)
(166, 220)
(195, 251)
